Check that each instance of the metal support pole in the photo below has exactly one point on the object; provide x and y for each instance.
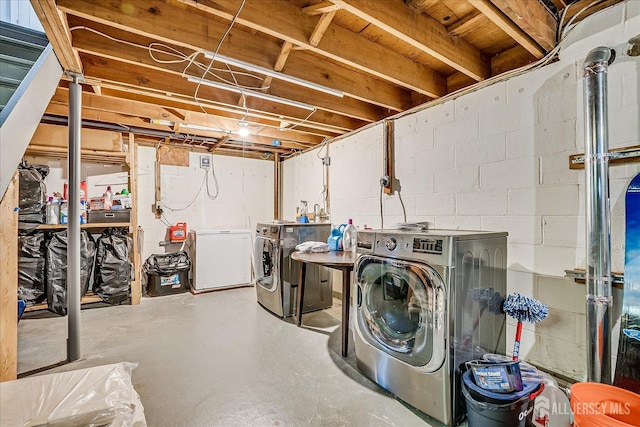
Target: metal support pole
(598, 221)
(74, 345)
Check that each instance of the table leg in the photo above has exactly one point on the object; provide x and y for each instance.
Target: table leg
(301, 283)
(346, 299)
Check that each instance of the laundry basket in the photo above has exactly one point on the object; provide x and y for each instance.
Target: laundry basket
(602, 405)
(167, 273)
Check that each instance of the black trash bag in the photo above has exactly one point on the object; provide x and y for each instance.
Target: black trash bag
(167, 264)
(32, 193)
(57, 268)
(31, 267)
(112, 281)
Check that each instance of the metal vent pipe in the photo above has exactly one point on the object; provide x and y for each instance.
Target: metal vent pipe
(598, 221)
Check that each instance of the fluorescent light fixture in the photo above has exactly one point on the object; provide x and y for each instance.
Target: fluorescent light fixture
(251, 93)
(274, 74)
(161, 122)
(200, 127)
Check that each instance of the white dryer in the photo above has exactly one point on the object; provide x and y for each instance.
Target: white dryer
(419, 314)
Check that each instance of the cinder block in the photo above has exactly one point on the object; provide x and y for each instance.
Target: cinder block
(480, 151)
(523, 282)
(463, 179)
(393, 206)
(448, 134)
(556, 100)
(435, 204)
(404, 126)
(434, 160)
(435, 116)
(521, 143)
(486, 202)
(553, 260)
(417, 183)
(630, 78)
(522, 201)
(457, 222)
(521, 256)
(522, 229)
(557, 355)
(474, 103)
(554, 170)
(566, 231)
(557, 200)
(623, 125)
(504, 120)
(556, 138)
(413, 142)
(519, 173)
(562, 293)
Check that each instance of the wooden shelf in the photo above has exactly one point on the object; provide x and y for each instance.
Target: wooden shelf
(87, 225)
(87, 299)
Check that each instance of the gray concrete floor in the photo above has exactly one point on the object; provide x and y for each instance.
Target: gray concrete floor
(220, 359)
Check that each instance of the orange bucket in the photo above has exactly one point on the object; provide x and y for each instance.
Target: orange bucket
(602, 405)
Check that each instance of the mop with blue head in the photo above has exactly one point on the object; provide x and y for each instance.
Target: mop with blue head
(487, 299)
(523, 309)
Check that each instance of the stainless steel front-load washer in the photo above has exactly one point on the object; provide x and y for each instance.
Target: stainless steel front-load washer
(276, 274)
(421, 311)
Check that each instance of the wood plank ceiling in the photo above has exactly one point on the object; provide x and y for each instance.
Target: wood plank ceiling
(290, 72)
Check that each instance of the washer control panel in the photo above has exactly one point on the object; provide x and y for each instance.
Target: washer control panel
(428, 245)
(391, 244)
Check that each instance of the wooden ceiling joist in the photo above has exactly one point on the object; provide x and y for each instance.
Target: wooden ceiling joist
(487, 8)
(55, 26)
(287, 22)
(164, 22)
(533, 18)
(321, 28)
(320, 8)
(422, 32)
(97, 45)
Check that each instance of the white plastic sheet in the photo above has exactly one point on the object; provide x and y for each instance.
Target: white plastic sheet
(98, 396)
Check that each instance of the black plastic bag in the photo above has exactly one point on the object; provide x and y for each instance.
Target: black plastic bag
(31, 267)
(32, 193)
(57, 269)
(112, 280)
(167, 264)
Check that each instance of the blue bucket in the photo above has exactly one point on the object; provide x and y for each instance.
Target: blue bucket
(500, 377)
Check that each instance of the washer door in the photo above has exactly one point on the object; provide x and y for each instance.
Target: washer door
(265, 265)
(401, 310)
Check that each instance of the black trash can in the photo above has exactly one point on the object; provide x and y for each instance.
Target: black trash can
(491, 409)
(167, 273)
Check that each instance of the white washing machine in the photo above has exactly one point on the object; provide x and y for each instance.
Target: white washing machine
(420, 311)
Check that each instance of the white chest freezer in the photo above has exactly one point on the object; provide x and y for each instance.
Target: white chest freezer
(220, 259)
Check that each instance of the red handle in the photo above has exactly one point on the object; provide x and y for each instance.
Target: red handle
(516, 344)
(537, 393)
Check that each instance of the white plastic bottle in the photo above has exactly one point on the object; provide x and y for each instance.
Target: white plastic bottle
(349, 237)
(53, 211)
(108, 198)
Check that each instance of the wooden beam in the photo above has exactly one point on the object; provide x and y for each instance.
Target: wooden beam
(136, 283)
(110, 70)
(466, 24)
(55, 26)
(191, 105)
(320, 8)
(533, 18)
(94, 44)
(321, 28)
(592, 6)
(508, 26)
(165, 24)
(510, 59)
(422, 32)
(218, 144)
(284, 54)
(287, 22)
(9, 282)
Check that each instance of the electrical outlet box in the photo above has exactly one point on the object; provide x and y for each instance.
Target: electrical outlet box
(326, 160)
(205, 162)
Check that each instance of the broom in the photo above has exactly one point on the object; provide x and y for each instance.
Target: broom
(523, 309)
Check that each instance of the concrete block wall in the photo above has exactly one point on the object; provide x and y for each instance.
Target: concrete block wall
(245, 196)
(498, 159)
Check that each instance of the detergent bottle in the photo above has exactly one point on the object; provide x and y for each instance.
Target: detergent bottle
(336, 238)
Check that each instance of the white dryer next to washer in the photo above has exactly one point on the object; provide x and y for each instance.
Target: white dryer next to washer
(419, 313)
